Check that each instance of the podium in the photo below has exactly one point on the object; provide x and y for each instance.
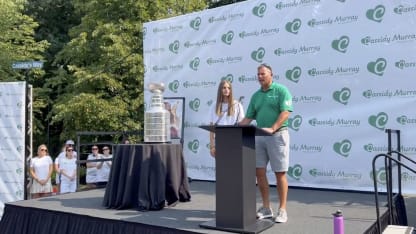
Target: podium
(235, 163)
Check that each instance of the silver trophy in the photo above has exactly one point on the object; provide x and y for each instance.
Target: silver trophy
(157, 118)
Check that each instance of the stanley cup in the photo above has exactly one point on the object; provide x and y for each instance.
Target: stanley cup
(156, 118)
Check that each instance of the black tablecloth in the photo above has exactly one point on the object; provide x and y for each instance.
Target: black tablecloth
(146, 177)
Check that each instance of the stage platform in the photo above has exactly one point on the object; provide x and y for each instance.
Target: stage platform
(310, 211)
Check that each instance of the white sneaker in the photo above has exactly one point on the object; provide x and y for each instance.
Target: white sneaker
(264, 213)
(281, 216)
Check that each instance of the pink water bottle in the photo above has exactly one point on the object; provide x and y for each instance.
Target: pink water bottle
(338, 222)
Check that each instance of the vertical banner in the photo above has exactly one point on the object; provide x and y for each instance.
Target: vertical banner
(12, 142)
(349, 65)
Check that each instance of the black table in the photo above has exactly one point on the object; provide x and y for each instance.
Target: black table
(147, 177)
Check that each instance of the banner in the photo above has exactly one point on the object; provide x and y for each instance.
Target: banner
(349, 65)
(12, 142)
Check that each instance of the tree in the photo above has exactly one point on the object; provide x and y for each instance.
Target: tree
(17, 42)
(102, 65)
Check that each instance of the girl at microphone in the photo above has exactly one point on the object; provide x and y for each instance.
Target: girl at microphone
(226, 110)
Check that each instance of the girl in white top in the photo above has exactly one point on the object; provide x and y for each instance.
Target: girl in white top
(226, 111)
(68, 171)
(41, 168)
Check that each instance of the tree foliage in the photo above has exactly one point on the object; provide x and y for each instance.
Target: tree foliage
(93, 63)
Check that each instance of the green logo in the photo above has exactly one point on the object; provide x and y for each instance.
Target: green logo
(260, 10)
(174, 47)
(377, 67)
(228, 77)
(258, 54)
(19, 171)
(193, 146)
(403, 120)
(376, 14)
(227, 38)
(378, 121)
(194, 104)
(173, 86)
(194, 64)
(343, 148)
(369, 147)
(380, 175)
(404, 9)
(294, 26)
(294, 74)
(295, 122)
(295, 172)
(342, 96)
(341, 44)
(195, 23)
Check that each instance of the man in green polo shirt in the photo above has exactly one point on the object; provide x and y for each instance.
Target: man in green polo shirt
(271, 106)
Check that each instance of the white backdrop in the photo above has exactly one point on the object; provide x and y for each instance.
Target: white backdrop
(350, 66)
(12, 141)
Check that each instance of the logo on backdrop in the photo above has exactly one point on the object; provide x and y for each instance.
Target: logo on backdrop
(306, 99)
(402, 64)
(315, 72)
(377, 67)
(174, 85)
(303, 49)
(376, 14)
(294, 74)
(227, 38)
(193, 146)
(341, 44)
(342, 96)
(389, 93)
(380, 175)
(295, 122)
(195, 23)
(245, 78)
(258, 54)
(404, 9)
(228, 77)
(194, 104)
(294, 26)
(295, 172)
(343, 148)
(337, 20)
(260, 10)
(295, 3)
(404, 120)
(336, 175)
(194, 64)
(311, 149)
(174, 46)
(370, 147)
(378, 121)
(332, 122)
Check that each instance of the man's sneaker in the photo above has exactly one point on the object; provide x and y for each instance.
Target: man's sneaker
(281, 216)
(264, 213)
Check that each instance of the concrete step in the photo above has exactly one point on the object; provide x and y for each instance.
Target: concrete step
(395, 229)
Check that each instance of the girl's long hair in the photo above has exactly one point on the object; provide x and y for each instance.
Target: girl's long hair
(221, 98)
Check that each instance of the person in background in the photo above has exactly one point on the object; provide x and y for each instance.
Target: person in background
(41, 168)
(271, 106)
(91, 177)
(68, 171)
(226, 111)
(104, 167)
(62, 154)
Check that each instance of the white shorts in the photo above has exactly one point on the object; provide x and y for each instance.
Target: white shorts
(273, 149)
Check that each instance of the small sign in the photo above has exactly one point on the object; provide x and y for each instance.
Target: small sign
(27, 65)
